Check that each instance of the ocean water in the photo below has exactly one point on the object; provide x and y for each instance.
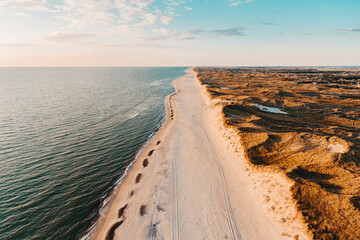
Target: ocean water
(66, 137)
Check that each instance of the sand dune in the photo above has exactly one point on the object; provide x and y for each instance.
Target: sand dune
(300, 127)
(187, 183)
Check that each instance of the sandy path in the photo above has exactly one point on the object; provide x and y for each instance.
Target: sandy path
(192, 186)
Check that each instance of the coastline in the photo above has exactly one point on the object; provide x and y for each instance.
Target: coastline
(150, 203)
(97, 229)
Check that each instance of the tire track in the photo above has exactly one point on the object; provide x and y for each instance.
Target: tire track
(229, 210)
(153, 234)
(174, 194)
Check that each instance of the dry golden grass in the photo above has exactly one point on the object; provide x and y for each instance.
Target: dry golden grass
(317, 144)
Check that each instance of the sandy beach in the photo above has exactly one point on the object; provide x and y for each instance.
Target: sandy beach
(187, 183)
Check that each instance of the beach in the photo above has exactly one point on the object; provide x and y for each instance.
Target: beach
(188, 183)
(73, 142)
(179, 119)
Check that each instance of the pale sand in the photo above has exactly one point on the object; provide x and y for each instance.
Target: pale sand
(194, 186)
(271, 187)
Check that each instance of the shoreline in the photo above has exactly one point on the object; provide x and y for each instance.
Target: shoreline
(104, 209)
(150, 203)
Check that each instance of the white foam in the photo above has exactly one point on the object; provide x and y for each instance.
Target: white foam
(107, 197)
(135, 115)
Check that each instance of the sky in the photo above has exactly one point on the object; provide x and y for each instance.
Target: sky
(179, 33)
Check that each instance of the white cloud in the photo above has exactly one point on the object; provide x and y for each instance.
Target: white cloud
(100, 13)
(37, 5)
(130, 10)
(235, 3)
(226, 32)
(21, 14)
(163, 34)
(353, 30)
(136, 13)
(173, 2)
(66, 37)
(166, 34)
(81, 13)
(121, 19)
(141, 13)
(15, 44)
(16, 25)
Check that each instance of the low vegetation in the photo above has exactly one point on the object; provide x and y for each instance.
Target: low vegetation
(305, 122)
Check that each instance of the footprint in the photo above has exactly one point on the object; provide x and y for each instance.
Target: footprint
(159, 208)
(151, 152)
(132, 193)
(110, 235)
(153, 230)
(121, 211)
(138, 177)
(145, 162)
(142, 210)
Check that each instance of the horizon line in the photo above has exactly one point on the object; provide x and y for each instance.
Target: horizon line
(127, 66)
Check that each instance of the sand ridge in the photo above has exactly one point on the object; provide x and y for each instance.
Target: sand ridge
(191, 186)
(272, 187)
(310, 137)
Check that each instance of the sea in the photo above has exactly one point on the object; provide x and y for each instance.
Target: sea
(67, 135)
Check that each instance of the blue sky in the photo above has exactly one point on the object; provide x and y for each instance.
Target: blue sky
(179, 32)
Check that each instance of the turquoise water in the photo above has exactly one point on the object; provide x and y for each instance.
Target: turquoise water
(66, 136)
